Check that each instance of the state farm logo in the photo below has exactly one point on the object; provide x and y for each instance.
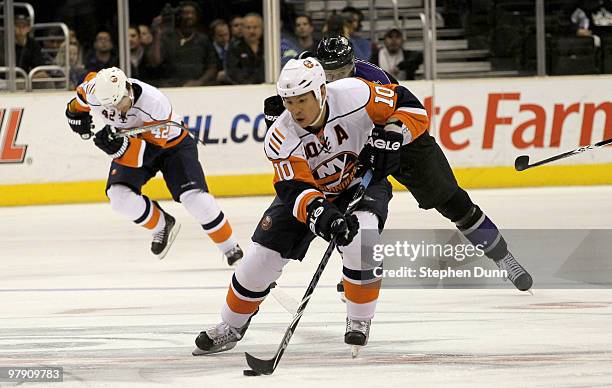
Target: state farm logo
(9, 151)
(334, 174)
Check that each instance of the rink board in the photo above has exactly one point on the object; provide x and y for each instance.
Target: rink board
(482, 125)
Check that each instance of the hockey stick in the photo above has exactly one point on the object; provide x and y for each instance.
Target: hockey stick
(153, 127)
(267, 367)
(149, 128)
(522, 162)
(139, 130)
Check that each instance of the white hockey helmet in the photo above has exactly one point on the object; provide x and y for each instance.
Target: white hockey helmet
(300, 76)
(111, 86)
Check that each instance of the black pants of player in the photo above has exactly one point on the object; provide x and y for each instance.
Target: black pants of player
(425, 171)
(179, 165)
(280, 231)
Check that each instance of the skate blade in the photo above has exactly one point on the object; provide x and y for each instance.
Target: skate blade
(173, 233)
(199, 352)
(355, 350)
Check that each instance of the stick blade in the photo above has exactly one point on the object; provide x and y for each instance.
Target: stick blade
(521, 163)
(264, 367)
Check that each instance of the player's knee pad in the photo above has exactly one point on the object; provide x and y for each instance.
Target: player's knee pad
(368, 235)
(201, 205)
(259, 267)
(125, 201)
(457, 207)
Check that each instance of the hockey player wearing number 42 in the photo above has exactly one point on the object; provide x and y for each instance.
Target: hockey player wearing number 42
(315, 147)
(124, 103)
(424, 169)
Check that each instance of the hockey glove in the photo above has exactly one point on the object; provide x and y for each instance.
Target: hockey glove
(325, 220)
(273, 107)
(107, 142)
(80, 122)
(382, 151)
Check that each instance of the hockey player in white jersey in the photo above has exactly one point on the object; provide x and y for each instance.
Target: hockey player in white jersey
(124, 103)
(315, 147)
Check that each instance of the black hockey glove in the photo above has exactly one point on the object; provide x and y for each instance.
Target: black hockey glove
(382, 152)
(80, 122)
(107, 142)
(325, 220)
(273, 107)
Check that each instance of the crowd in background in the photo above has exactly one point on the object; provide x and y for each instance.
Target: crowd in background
(177, 49)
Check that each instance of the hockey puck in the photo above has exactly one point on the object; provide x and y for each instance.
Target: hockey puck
(250, 372)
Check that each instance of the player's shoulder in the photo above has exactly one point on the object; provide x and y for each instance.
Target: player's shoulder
(149, 98)
(349, 93)
(146, 90)
(86, 88)
(282, 140)
(372, 73)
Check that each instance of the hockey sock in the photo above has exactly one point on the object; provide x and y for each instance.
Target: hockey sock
(250, 284)
(481, 231)
(361, 287)
(241, 303)
(139, 208)
(203, 207)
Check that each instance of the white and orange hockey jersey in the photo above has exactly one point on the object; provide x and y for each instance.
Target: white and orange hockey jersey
(307, 166)
(150, 107)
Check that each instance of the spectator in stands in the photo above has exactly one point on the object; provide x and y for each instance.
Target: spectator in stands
(236, 27)
(137, 51)
(102, 55)
(303, 39)
(146, 37)
(77, 69)
(72, 38)
(52, 40)
(392, 58)
(220, 31)
(362, 46)
(185, 55)
(244, 58)
(28, 53)
(592, 19)
(336, 25)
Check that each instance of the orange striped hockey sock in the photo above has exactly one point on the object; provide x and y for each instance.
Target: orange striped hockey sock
(241, 303)
(220, 231)
(152, 217)
(361, 296)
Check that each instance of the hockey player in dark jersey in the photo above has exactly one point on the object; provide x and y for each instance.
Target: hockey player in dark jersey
(424, 169)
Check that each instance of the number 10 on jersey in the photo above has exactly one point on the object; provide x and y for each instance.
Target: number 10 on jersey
(284, 171)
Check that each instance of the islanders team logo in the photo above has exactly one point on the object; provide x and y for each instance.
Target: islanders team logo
(336, 173)
(308, 64)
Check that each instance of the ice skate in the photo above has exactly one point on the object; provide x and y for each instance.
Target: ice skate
(234, 255)
(163, 239)
(516, 273)
(219, 338)
(357, 333)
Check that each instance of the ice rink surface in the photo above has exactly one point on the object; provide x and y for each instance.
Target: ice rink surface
(79, 289)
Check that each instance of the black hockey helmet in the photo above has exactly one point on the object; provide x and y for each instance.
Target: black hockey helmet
(335, 52)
